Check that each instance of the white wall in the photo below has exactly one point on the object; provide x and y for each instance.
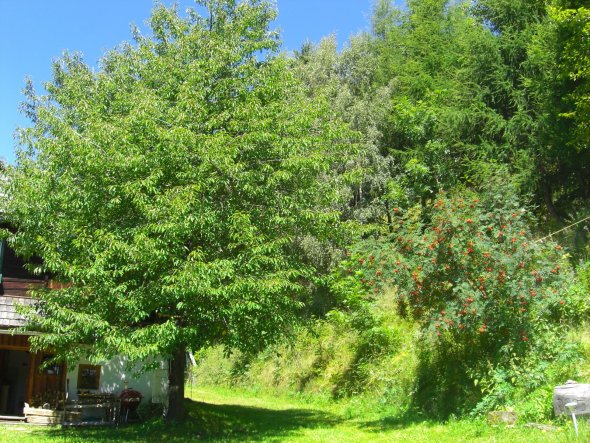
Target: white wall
(113, 374)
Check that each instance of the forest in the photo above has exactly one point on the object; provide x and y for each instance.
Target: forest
(403, 221)
(469, 209)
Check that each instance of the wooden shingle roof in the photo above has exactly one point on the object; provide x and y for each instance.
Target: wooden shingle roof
(9, 318)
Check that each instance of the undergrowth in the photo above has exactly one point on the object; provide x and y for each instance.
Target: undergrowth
(368, 362)
(373, 361)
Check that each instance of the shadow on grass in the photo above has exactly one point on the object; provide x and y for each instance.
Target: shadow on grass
(406, 420)
(210, 422)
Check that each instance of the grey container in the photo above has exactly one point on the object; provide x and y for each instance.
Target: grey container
(571, 392)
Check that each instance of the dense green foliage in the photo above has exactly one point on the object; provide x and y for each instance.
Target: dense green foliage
(474, 120)
(488, 296)
(191, 190)
(470, 118)
(449, 93)
(172, 190)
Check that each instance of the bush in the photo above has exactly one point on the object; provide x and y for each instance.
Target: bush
(578, 307)
(329, 359)
(473, 273)
(378, 341)
(487, 295)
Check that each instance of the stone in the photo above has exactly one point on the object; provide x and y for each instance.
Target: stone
(543, 427)
(507, 418)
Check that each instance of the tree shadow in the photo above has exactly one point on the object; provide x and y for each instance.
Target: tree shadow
(406, 420)
(210, 422)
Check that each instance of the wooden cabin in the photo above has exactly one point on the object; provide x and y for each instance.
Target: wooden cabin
(21, 379)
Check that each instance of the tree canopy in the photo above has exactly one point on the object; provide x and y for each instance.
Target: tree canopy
(171, 190)
(186, 192)
(480, 105)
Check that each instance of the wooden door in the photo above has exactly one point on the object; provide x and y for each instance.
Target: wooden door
(45, 385)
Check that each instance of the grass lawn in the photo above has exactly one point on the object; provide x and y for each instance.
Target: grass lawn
(234, 416)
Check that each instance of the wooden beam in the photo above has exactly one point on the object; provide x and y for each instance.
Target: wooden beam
(12, 417)
(14, 342)
(62, 383)
(14, 348)
(32, 367)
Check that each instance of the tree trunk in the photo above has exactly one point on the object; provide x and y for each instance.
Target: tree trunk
(175, 410)
(583, 184)
(389, 218)
(548, 198)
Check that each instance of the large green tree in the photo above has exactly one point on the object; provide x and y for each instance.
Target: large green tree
(419, 88)
(452, 93)
(171, 190)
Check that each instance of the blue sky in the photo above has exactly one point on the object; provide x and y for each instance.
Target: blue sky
(34, 32)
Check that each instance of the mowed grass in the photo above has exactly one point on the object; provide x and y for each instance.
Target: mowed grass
(223, 415)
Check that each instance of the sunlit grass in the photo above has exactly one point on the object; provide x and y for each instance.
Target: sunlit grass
(217, 414)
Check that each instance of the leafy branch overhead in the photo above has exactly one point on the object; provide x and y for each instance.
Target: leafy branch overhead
(172, 188)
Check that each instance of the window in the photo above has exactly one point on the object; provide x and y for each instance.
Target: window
(88, 376)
